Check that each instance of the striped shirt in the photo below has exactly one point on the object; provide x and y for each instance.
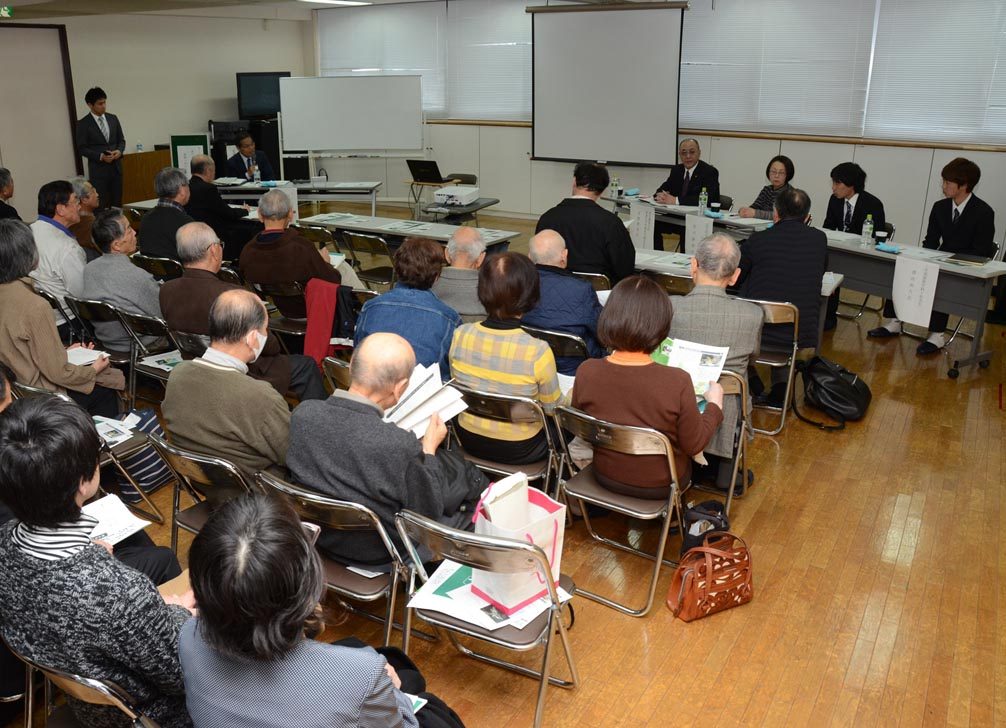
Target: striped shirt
(503, 361)
(53, 544)
(765, 202)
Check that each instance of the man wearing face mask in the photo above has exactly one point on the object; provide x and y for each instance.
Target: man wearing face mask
(212, 407)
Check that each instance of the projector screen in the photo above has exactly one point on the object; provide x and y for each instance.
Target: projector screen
(606, 85)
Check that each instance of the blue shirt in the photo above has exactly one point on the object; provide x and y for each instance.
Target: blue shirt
(57, 225)
(416, 315)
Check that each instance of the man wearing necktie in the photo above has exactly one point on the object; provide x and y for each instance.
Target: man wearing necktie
(243, 164)
(684, 185)
(100, 140)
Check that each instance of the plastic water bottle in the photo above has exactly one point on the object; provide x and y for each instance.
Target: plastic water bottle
(257, 176)
(866, 241)
(616, 187)
(139, 146)
(703, 201)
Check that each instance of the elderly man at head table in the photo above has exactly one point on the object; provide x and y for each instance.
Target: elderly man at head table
(244, 164)
(186, 302)
(707, 315)
(210, 406)
(100, 140)
(458, 284)
(567, 303)
(89, 202)
(684, 185)
(785, 263)
(596, 238)
(159, 227)
(61, 260)
(6, 192)
(959, 223)
(206, 205)
(379, 465)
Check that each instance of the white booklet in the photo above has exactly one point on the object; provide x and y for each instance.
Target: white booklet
(112, 431)
(83, 356)
(425, 396)
(115, 521)
(703, 363)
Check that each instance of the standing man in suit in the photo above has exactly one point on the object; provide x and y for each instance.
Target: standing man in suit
(101, 142)
(683, 187)
(6, 192)
(959, 223)
(206, 205)
(247, 160)
(847, 210)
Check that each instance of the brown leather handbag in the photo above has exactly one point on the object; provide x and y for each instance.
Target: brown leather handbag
(711, 577)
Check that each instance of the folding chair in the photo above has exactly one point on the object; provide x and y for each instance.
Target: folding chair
(561, 343)
(317, 234)
(72, 321)
(279, 323)
(736, 385)
(133, 217)
(191, 345)
(780, 313)
(585, 488)
(672, 284)
(502, 555)
(345, 516)
(230, 275)
(514, 410)
(599, 281)
(377, 248)
(361, 297)
(889, 229)
(336, 372)
(163, 269)
(89, 312)
(196, 474)
(139, 326)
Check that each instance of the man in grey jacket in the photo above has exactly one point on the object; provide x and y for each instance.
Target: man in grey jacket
(458, 284)
(342, 447)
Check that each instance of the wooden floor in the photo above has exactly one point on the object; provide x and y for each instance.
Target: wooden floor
(880, 577)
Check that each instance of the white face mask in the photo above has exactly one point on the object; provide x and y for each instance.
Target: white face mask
(259, 344)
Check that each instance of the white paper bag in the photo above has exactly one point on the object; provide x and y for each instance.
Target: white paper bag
(510, 509)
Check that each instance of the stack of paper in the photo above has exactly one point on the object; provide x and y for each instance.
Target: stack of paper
(83, 356)
(115, 521)
(425, 396)
(226, 181)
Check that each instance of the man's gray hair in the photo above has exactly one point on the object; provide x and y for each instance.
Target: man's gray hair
(80, 186)
(6, 178)
(169, 181)
(690, 139)
(200, 163)
(274, 205)
(193, 240)
(377, 368)
(546, 248)
(234, 314)
(718, 256)
(471, 244)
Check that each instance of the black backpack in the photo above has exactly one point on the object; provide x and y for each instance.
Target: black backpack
(834, 390)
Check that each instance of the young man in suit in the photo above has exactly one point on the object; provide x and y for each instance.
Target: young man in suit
(247, 160)
(684, 185)
(6, 192)
(959, 223)
(101, 142)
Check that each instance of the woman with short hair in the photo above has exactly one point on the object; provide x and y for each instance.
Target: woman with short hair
(779, 172)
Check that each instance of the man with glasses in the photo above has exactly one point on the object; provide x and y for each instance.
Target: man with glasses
(61, 260)
(247, 160)
(684, 185)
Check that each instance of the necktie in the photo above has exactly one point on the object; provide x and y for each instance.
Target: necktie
(957, 214)
(684, 185)
(103, 125)
(248, 162)
(848, 216)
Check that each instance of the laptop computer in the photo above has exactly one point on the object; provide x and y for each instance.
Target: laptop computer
(425, 170)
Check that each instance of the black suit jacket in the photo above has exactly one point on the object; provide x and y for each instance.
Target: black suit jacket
(206, 205)
(867, 204)
(7, 212)
(236, 166)
(158, 229)
(703, 175)
(972, 234)
(596, 238)
(91, 145)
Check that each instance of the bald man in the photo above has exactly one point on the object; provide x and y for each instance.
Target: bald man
(567, 303)
(343, 448)
(206, 205)
(458, 284)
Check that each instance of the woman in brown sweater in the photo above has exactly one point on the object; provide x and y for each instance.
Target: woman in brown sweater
(629, 388)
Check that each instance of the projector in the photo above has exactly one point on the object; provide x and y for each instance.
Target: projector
(456, 195)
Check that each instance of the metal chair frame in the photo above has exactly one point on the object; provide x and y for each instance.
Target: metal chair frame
(71, 320)
(88, 311)
(193, 345)
(336, 372)
(230, 275)
(133, 217)
(278, 323)
(163, 269)
(672, 284)
(375, 246)
(137, 326)
(735, 384)
(599, 281)
(780, 313)
(561, 343)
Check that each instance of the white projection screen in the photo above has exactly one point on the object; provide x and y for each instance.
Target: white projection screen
(606, 85)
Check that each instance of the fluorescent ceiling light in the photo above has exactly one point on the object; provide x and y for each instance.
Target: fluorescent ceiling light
(337, 2)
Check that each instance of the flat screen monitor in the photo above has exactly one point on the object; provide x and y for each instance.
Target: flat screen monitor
(258, 94)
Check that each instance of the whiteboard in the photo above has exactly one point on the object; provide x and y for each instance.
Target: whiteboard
(352, 112)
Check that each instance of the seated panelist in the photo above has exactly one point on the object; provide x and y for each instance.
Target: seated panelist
(780, 172)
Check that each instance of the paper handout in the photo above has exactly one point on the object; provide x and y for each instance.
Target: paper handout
(703, 363)
(83, 356)
(425, 396)
(115, 521)
(914, 289)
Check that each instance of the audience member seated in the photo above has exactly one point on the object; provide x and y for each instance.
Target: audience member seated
(247, 161)
(684, 185)
(635, 320)
(60, 269)
(707, 315)
(779, 173)
(254, 559)
(6, 192)
(211, 407)
(597, 239)
(64, 600)
(458, 284)
(206, 205)
(567, 303)
(279, 254)
(114, 279)
(186, 302)
(11, 669)
(497, 356)
(342, 448)
(159, 227)
(785, 263)
(411, 309)
(89, 202)
(29, 342)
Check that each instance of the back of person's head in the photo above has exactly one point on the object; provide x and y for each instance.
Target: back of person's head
(381, 361)
(109, 225)
(18, 253)
(466, 242)
(546, 248)
(53, 194)
(636, 317)
(508, 285)
(274, 205)
(81, 187)
(591, 176)
(201, 164)
(718, 256)
(194, 240)
(256, 577)
(234, 315)
(418, 262)
(792, 204)
(786, 162)
(962, 172)
(169, 181)
(48, 447)
(7, 380)
(849, 174)
(94, 95)
(6, 178)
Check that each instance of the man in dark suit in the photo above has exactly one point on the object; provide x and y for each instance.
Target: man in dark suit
(596, 238)
(683, 187)
(206, 205)
(247, 160)
(6, 192)
(959, 223)
(848, 208)
(785, 263)
(159, 226)
(100, 141)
